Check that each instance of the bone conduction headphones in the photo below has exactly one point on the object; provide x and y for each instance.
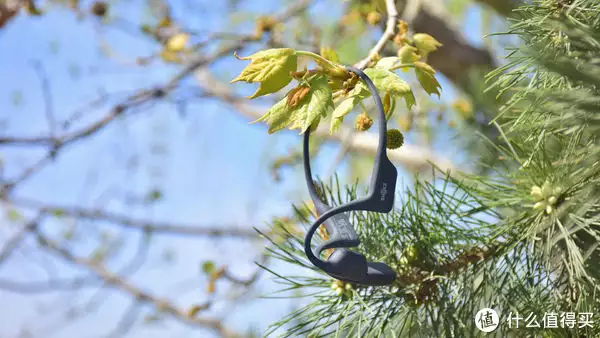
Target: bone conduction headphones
(344, 264)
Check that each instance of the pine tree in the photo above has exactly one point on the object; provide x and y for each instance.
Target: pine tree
(521, 239)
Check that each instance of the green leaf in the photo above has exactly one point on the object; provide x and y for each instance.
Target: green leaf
(389, 106)
(316, 104)
(357, 94)
(345, 107)
(387, 62)
(353, 98)
(330, 54)
(425, 43)
(208, 267)
(408, 54)
(336, 122)
(340, 111)
(425, 75)
(387, 81)
(14, 215)
(271, 68)
(153, 196)
(58, 212)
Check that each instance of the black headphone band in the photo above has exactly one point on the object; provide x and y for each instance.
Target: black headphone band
(383, 180)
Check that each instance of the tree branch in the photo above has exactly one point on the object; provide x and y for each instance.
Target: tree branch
(388, 33)
(141, 296)
(8, 9)
(14, 242)
(139, 224)
(58, 143)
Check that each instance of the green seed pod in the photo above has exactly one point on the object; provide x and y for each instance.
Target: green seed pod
(395, 139)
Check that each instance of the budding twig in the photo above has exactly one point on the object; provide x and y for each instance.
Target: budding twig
(387, 34)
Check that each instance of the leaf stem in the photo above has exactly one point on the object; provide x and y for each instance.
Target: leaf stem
(317, 58)
(403, 65)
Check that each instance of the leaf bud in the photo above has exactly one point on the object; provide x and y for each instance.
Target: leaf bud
(373, 18)
(408, 54)
(426, 43)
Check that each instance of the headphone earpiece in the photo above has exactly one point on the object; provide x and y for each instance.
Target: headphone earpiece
(353, 267)
(379, 274)
(347, 265)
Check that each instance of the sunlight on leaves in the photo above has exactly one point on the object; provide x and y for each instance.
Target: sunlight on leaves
(271, 68)
(177, 42)
(317, 103)
(425, 75)
(330, 54)
(387, 81)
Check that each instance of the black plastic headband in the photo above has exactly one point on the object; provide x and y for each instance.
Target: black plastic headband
(341, 232)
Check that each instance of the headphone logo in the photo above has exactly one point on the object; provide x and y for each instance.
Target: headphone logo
(383, 191)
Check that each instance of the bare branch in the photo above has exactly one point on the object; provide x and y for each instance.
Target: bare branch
(58, 143)
(48, 101)
(16, 240)
(8, 9)
(139, 224)
(264, 258)
(127, 321)
(392, 18)
(28, 172)
(115, 281)
(49, 285)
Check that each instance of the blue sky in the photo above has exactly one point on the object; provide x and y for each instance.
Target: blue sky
(214, 170)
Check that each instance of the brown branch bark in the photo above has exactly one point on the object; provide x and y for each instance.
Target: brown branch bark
(8, 10)
(141, 296)
(388, 33)
(139, 224)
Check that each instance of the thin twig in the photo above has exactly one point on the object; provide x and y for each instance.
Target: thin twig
(139, 224)
(16, 240)
(127, 321)
(388, 34)
(48, 102)
(264, 258)
(58, 143)
(28, 172)
(161, 305)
